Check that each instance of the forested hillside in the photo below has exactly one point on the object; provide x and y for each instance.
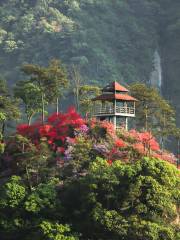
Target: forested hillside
(64, 174)
(77, 179)
(107, 40)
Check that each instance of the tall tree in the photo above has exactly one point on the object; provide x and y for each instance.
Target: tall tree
(153, 112)
(9, 107)
(38, 76)
(50, 80)
(30, 95)
(86, 94)
(77, 82)
(57, 82)
(83, 93)
(176, 135)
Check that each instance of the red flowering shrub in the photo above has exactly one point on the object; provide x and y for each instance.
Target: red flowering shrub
(149, 141)
(56, 130)
(29, 131)
(134, 135)
(44, 130)
(139, 147)
(101, 129)
(23, 129)
(166, 156)
(109, 127)
(60, 149)
(109, 162)
(146, 139)
(120, 143)
(92, 122)
(61, 131)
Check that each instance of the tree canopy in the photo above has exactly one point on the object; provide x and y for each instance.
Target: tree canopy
(49, 81)
(153, 111)
(9, 106)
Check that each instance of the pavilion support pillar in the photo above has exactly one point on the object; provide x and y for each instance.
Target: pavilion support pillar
(114, 122)
(103, 104)
(126, 123)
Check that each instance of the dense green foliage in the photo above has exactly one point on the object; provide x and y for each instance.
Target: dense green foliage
(125, 201)
(71, 178)
(120, 201)
(33, 214)
(105, 39)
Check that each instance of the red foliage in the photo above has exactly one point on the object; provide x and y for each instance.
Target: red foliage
(60, 149)
(145, 138)
(120, 143)
(56, 130)
(149, 141)
(166, 156)
(23, 129)
(154, 145)
(44, 130)
(139, 147)
(92, 122)
(31, 132)
(134, 134)
(109, 162)
(109, 128)
(60, 131)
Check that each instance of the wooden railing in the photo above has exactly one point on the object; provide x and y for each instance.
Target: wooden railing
(113, 110)
(126, 110)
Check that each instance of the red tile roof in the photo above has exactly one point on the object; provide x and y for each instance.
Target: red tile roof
(114, 86)
(122, 97)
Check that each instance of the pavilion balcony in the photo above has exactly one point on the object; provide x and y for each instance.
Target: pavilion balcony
(118, 111)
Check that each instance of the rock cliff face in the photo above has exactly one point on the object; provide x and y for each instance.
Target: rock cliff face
(169, 31)
(133, 40)
(171, 75)
(156, 74)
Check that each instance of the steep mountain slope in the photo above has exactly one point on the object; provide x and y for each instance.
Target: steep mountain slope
(108, 40)
(170, 49)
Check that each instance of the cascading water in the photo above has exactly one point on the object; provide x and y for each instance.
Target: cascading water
(156, 74)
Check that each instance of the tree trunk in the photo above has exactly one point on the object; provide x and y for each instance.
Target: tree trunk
(43, 108)
(3, 128)
(57, 105)
(146, 122)
(28, 178)
(30, 119)
(162, 143)
(77, 99)
(178, 152)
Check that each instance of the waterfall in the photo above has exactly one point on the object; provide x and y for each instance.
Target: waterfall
(156, 74)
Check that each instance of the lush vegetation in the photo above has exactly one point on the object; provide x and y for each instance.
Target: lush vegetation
(83, 33)
(71, 178)
(68, 177)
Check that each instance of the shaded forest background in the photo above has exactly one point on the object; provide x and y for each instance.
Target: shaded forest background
(107, 40)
